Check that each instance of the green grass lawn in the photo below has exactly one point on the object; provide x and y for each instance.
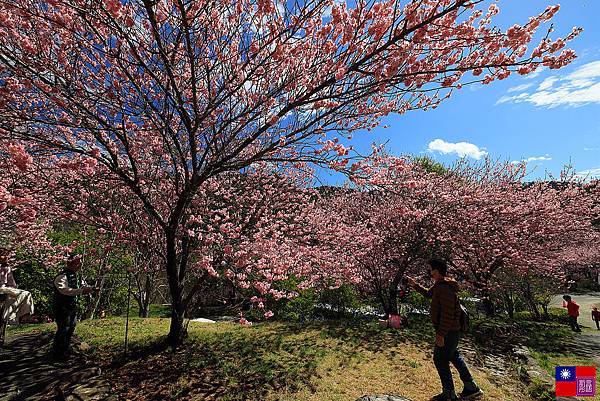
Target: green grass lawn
(154, 310)
(332, 361)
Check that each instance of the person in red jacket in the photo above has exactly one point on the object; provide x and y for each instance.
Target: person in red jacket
(596, 316)
(573, 311)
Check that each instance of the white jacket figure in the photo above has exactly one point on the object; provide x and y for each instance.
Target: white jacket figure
(18, 302)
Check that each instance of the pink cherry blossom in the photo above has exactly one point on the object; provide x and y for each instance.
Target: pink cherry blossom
(145, 116)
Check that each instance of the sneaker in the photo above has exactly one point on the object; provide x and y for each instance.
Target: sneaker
(466, 393)
(443, 397)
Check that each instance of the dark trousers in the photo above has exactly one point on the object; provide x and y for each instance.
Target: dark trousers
(573, 323)
(597, 324)
(3, 323)
(443, 356)
(66, 319)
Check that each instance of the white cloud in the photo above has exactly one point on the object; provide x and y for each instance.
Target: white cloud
(566, 95)
(536, 73)
(590, 149)
(519, 88)
(462, 149)
(586, 71)
(590, 173)
(515, 98)
(538, 159)
(533, 159)
(582, 83)
(547, 83)
(578, 88)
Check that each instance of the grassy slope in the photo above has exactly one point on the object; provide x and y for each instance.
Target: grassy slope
(551, 343)
(337, 361)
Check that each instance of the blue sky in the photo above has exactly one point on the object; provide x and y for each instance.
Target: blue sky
(550, 118)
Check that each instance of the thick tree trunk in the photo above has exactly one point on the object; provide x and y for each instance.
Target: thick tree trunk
(392, 300)
(511, 310)
(380, 292)
(386, 308)
(144, 298)
(510, 305)
(145, 307)
(142, 302)
(176, 332)
(535, 310)
(393, 308)
(488, 307)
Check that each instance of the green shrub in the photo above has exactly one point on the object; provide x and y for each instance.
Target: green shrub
(310, 303)
(417, 301)
(341, 299)
(33, 276)
(299, 308)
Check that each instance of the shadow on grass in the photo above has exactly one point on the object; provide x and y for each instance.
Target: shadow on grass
(502, 334)
(246, 363)
(366, 334)
(231, 365)
(587, 346)
(234, 363)
(29, 373)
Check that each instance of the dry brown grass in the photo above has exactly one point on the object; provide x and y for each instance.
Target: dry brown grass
(405, 369)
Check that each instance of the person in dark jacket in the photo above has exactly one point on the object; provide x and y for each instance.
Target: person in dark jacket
(67, 287)
(445, 316)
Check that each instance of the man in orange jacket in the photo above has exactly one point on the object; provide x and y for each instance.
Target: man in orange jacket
(445, 316)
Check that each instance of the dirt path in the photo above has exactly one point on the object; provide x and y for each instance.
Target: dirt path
(28, 373)
(586, 302)
(587, 343)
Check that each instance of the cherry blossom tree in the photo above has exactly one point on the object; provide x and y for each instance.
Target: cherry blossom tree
(243, 230)
(163, 96)
(508, 223)
(253, 230)
(381, 230)
(483, 218)
(565, 248)
(23, 199)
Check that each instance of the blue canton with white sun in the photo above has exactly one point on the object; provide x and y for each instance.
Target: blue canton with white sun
(565, 374)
